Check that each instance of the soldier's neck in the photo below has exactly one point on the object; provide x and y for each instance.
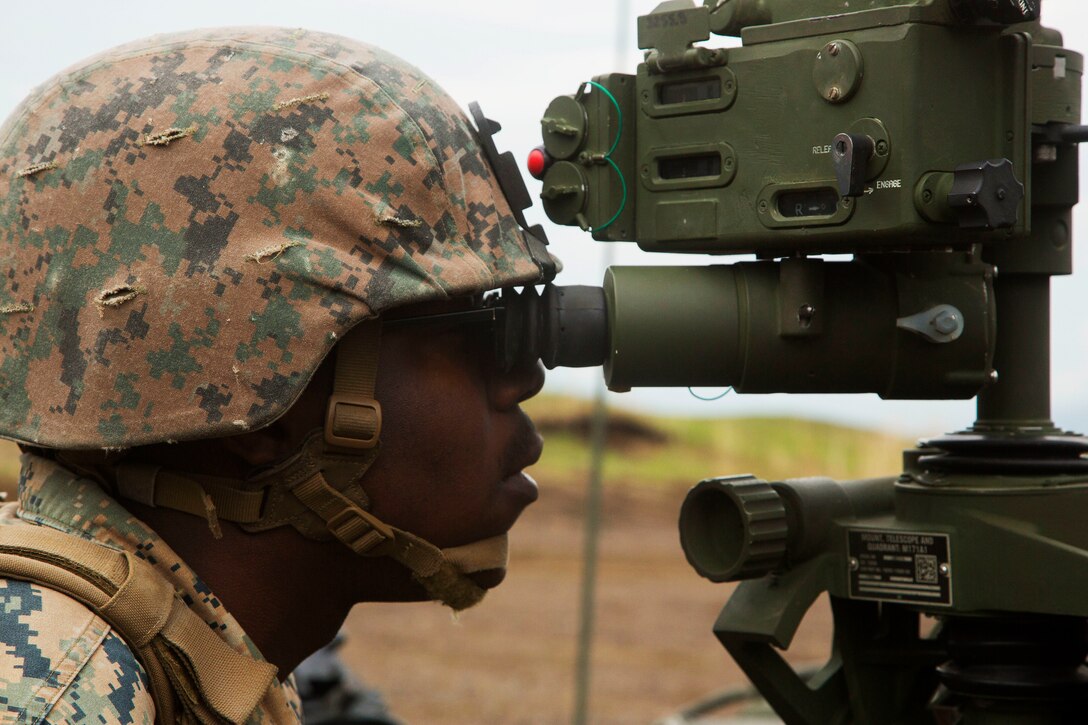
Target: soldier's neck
(289, 594)
(288, 605)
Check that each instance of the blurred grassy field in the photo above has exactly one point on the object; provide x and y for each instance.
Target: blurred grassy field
(674, 452)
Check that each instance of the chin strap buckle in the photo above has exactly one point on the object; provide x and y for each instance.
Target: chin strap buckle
(353, 421)
(354, 418)
(354, 526)
(359, 529)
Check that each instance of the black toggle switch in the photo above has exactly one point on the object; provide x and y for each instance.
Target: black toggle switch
(851, 153)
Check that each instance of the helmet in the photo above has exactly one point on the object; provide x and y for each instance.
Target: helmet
(191, 222)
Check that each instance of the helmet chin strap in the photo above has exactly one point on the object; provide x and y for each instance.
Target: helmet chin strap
(354, 422)
(442, 573)
(318, 491)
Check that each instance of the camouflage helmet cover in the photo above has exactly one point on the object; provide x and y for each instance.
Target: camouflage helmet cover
(191, 221)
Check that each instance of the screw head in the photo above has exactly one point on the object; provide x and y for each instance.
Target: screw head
(946, 322)
(832, 49)
(882, 147)
(805, 313)
(834, 94)
(927, 195)
(944, 569)
(854, 564)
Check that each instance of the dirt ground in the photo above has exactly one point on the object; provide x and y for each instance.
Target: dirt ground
(511, 660)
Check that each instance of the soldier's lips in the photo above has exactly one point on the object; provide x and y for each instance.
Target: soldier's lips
(517, 483)
(522, 487)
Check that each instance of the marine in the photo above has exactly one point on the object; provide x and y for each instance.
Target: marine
(245, 349)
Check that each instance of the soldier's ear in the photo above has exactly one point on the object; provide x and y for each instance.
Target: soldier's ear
(283, 437)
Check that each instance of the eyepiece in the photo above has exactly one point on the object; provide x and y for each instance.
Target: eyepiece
(741, 527)
(575, 326)
(565, 326)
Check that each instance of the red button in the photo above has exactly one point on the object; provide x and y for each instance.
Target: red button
(538, 163)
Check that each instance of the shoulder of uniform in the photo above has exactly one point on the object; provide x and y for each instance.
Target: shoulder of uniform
(63, 663)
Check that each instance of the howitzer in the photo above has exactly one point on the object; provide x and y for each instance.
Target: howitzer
(935, 141)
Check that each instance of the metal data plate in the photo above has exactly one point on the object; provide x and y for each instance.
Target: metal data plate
(900, 566)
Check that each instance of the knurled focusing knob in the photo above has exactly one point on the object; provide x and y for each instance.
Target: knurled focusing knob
(733, 528)
(986, 195)
(1002, 12)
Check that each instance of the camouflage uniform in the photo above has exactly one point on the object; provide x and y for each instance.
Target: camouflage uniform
(189, 225)
(62, 662)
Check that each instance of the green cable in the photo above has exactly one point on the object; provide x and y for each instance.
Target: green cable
(608, 156)
(623, 199)
(619, 115)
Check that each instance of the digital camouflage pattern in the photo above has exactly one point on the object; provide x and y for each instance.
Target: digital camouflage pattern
(191, 222)
(63, 663)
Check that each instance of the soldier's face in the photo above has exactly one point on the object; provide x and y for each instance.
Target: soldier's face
(454, 439)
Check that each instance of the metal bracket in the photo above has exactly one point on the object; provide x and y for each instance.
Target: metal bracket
(513, 188)
(669, 32)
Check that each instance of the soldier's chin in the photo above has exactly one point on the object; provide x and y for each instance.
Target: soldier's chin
(488, 578)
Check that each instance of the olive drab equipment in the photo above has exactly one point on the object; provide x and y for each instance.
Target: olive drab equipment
(936, 142)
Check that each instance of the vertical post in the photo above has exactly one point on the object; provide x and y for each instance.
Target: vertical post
(583, 667)
(598, 439)
(1020, 399)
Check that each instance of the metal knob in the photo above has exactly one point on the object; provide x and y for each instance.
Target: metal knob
(734, 528)
(1002, 12)
(986, 194)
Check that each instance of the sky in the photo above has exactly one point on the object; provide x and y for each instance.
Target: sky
(513, 57)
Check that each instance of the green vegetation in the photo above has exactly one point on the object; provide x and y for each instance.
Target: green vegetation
(666, 452)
